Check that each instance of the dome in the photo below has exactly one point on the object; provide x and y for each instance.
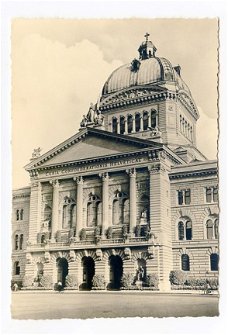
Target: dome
(147, 71)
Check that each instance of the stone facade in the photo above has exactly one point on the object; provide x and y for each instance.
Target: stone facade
(128, 196)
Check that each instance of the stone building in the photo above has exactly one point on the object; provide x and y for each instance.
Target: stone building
(129, 194)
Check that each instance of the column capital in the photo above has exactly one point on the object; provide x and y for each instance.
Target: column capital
(131, 172)
(54, 183)
(79, 180)
(104, 176)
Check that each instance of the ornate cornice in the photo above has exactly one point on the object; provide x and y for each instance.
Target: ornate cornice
(135, 96)
(187, 101)
(192, 174)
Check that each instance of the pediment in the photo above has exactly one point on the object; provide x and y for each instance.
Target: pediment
(88, 144)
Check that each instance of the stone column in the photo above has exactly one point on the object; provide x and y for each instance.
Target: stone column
(149, 119)
(125, 126)
(133, 124)
(55, 209)
(141, 123)
(132, 176)
(105, 201)
(118, 126)
(39, 201)
(79, 205)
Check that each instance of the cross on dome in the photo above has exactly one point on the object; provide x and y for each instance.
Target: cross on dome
(146, 36)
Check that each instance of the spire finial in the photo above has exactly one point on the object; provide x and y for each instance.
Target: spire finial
(146, 36)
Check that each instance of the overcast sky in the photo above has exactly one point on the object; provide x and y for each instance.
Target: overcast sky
(59, 66)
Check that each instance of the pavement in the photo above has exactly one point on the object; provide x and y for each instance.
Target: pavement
(44, 305)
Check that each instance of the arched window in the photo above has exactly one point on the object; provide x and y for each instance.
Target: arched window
(42, 240)
(16, 242)
(21, 214)
(185, 229)
(129, 124)
(154, 119)
(21, 242)
(209, 226)
(114, 125)
(214, 259)
(92, 210)
(216, 228)
(122, 125)
(185, 263)
(17, 214)
(188, 230)
(145, 120)
(120, 208)
(137, 122)
(17, 268)
(181, 231)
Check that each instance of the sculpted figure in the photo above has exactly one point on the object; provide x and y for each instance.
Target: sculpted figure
(91, 113)
(36, 153)
(84, 121)
(99, 118)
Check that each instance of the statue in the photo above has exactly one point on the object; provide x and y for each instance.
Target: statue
(156, 132)
(91, 113)
(99, 120)
(36, 153)
(84, 121)
(140, 274)
(144, 216)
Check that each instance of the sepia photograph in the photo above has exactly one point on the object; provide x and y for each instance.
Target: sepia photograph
(115, 207)
(113, 167)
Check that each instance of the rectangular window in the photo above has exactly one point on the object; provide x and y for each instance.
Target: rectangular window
(211, 194)
(187, 197)
(180, 198)
(184, 197)
(208, 195)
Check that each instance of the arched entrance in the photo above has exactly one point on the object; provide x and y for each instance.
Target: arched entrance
(62, 270)
(88, 266)
(116, 271)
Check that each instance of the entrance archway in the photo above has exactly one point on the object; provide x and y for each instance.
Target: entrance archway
(116, 271)
(62, 270)
(88, 266)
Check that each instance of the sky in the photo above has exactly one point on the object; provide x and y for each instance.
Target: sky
(59, 67)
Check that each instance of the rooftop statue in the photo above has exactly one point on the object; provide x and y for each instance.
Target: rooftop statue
(36, 153)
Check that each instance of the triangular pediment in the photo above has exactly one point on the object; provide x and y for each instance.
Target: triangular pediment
(88, 144)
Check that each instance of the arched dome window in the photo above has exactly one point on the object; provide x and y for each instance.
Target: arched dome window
(137, 122)
(180, 231)
(114, 125)
(154, 122)
(122, 125)
(129, 124)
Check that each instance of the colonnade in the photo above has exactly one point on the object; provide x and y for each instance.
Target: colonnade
(105, 180)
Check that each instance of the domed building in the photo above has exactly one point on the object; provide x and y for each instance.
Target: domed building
(128, 201)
